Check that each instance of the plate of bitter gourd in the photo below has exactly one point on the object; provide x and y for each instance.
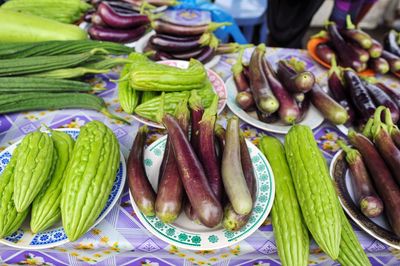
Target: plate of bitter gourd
(56, 185)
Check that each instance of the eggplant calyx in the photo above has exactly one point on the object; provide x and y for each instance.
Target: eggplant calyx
(205, 39)
(297, 65)
(195, 102)
(391, 127)
(378, 125)
(367, 129)
(237, 68)
(181, 111)
(261, 47)
(210, 113)
(334, 68)
(213, 25)
(322, 34)
(213, 42)
(352, 155)
(349, 23)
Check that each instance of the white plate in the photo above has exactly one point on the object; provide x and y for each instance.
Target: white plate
(378, 227)
(312, 119)
(23, 238)
(142, 42)
(185, 233)
(217, 83)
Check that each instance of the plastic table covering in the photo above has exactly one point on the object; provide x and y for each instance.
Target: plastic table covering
(120, 239)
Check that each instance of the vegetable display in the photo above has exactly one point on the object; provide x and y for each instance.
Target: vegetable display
(48, 175)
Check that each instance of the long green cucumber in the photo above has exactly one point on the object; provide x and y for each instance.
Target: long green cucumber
(351, 252)
(33, 168)
(31, 84)
(46, 206)
(290, 230)
(24, 49)
(89, 178)
(30, 101)
(314, 189)
(10, 219)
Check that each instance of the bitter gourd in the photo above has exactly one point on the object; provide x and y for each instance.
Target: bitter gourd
(46, 206)
(33, 168)
(290, 231)
(89, 178)
(314, 189)
(10, 219)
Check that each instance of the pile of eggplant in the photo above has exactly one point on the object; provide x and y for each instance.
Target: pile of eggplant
(282, 95)
(183, 42)
(391, 44)
(117, 21)
(361, 96)
(374, 162)
(354, 48)
(208, 175)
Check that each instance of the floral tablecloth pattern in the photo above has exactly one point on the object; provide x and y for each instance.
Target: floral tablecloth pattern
(122, 240)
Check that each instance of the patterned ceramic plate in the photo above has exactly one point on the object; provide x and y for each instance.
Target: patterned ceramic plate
(312, 119)
(217, 83)
(378, 227)
(186, 234)
(55, 236)
(142, 42)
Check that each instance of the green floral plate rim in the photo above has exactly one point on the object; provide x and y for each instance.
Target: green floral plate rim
(185, 233)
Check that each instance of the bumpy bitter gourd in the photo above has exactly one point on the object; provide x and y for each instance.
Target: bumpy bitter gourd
(10, 219)
(33, 168)
(315, 191)
(89, 178)
(46, 206)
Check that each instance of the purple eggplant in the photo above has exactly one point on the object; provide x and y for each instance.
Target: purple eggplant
(299, 96)
(393, 60)
(362, 54)
(384, 183)
(376, 49)
(170, 192)
(292, 80)
(390, 43)
(382, 99)
(304, 106)
(379, 65)
(359, 95)
(245, 100)
(196, 113)
(207, 151)
(347, 56)
(394, 95)
(288, 109)
(356, 35)
(239, 77)
(164, 27)
(338, 90)
(325, 52)
(140, 187)
(119, 21)
(193, 177)
(96, 20)
(365, 195)
(266, 101)
(206, 54)
(168, 45)
(187, 55)
(116, 35)
(267, 118)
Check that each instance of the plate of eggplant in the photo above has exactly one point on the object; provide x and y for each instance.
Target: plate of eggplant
(203, 219)
(271, 99)
(367, 179)
(166, 46)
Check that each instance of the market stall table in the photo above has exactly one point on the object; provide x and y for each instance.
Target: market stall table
(122, 240)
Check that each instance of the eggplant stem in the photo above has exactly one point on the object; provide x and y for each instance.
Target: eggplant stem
(389, 122)
(351, 154)
(349, 23)
(322, 34)
(213, 26)
(335, 69)
(213, 42)
(205, 39)
(237, 68)
(182, 111)
(367, 129)
(210, 112)
(378, 125)
(195, 101)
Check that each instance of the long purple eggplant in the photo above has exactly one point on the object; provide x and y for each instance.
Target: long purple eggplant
(304, 106)
(206, 54)
(265, 99)
(239, 77)
(164, 27)
(385, 145)
(392, 129)
(347, 56)
(178, 38)
(338, 90)
(193, 176)
(116, 35)
(362, 54)
(328, 107)
(390, 42)
(359, 95)
(325, 52)
(170, 192)
(365, 195)
(292, 80)
(393, 60)
(187, 55)
(356, 35)
(168, 45)
(288, 110)
(379, 65)
(196, 113)
(394, 95)
(233, 221)
(382, 99)
(119, 21)
(140, 187)
(384, 183)
(207, 152)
